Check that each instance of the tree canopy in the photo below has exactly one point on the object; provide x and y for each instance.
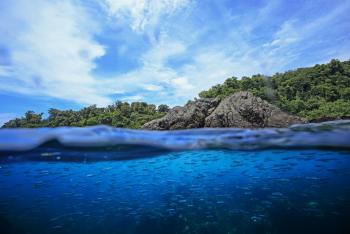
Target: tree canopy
(120, 114)
(318, 92)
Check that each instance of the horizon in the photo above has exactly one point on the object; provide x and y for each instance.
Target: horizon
(70, 54)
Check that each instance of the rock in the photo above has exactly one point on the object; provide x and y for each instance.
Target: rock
(244, 110)
(192, 115)
(241, 110)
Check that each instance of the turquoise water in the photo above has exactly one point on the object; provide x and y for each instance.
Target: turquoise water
(146, 189)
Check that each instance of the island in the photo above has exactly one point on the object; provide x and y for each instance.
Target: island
(311, 94)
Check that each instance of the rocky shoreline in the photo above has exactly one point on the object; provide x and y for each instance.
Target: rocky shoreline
(240, 110)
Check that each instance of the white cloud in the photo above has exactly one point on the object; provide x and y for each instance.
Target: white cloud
(142, 13)
(155, 75)
(52, 50)
(287, 35)
(296, 32)
(213, 65)
(163, 50)
(182, 83)
(207, 66)
(151, 87)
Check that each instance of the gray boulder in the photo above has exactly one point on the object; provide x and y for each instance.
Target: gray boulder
(240, 110)
(244, 110)
(192, 115)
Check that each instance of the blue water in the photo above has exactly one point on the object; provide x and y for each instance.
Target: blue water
(127, 187)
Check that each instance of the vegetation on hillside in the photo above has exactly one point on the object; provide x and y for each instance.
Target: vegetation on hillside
(319, 92)
(120, 114)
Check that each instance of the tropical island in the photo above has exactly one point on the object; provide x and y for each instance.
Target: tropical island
(314, 94)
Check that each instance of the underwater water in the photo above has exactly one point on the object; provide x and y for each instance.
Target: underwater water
(103, 180)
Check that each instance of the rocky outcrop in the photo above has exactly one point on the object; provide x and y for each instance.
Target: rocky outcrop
(241, 110)
(244, 110)
(192, 115)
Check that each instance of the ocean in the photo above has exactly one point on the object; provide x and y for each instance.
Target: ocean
(107, 180)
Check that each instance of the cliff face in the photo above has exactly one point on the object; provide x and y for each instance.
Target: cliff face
(240, 110)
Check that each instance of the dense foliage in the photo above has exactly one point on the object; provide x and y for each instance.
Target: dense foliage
(318, 92)
(120, 114)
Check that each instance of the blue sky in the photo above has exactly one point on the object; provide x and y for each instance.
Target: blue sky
(73, 53)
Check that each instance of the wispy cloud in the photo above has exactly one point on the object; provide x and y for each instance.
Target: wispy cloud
(52, 50)
(160, 51)
(140, 14)
(154, 74)
(298, 38)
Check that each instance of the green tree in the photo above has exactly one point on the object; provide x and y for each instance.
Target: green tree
(163, 108)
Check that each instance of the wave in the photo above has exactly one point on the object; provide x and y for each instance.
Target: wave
(333, 134)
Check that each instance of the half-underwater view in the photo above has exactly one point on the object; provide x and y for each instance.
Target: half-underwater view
(174, 116)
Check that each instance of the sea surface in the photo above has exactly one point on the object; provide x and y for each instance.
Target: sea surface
(108, 180)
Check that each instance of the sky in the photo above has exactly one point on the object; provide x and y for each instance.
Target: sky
(68, 54)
